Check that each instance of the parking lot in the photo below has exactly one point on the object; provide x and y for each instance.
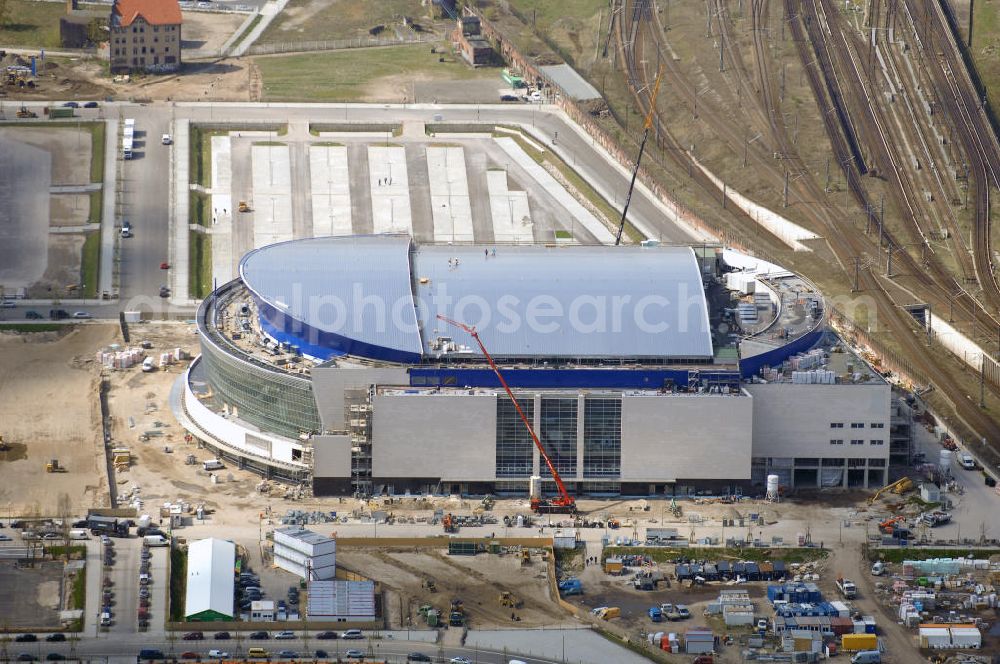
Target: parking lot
(29, 596)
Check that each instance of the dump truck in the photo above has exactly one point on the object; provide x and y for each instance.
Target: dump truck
(847, 588)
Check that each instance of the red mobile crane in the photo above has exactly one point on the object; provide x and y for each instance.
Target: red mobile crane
(564, 503)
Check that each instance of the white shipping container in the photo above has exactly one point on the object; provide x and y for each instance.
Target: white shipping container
(966, 637)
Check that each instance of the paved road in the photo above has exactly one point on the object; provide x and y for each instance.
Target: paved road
(126, 647)
(146, 200)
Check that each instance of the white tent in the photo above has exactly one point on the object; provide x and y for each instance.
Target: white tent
(210, 580)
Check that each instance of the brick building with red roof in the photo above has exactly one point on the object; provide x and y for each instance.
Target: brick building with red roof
(145, 36)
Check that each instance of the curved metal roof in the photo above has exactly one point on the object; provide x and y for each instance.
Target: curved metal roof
(379, 297)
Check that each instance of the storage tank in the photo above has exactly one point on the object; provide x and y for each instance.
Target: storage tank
(944, 461)
(535, 487)
(772, 488)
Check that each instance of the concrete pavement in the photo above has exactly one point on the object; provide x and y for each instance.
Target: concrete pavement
(105, 280)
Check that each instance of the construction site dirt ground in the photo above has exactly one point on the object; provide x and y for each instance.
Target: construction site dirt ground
(476, 580)
(50, 410)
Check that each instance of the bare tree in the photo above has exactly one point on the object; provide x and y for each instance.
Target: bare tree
(64, 509)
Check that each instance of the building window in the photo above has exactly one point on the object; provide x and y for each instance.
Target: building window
(877, 425)
(156, 28)
(514, 444)
(837, 441)
(833, 463)
(856, 463)
(877, 441)
(876, 463)
(857, 441)
(857, 425)
(602, 437)
(557, 432)
(836, 425)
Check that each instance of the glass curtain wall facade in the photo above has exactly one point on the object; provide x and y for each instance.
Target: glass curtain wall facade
(271, 399)
(514, 444)
(558, 435)
(602, 437)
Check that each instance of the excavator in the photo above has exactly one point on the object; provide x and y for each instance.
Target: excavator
(899, 487)
(889, 525)
(561, 504)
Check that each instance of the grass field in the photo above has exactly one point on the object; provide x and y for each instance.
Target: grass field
(664, 554)
(314, 20)
(32, 23)
(96, 201)
(97, 152)
(199, 205)
(347, 75)
(89, 264)
(31, 327)
(200, 264)
(985, 48)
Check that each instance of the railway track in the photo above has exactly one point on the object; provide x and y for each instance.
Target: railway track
(633, 32)
(976, 136)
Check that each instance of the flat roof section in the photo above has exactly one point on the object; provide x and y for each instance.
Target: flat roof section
(574, 302)
(568, 79)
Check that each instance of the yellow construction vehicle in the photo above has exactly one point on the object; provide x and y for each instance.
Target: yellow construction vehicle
(245, 207)
(899, 487)
(54, 467)
(525, 557)
(19, 76)
(509, 599)
(23, 112)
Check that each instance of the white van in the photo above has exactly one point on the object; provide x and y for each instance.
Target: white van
(105, 619)
(79, 534)
(155, 540)
(867, 657)
(212, 464)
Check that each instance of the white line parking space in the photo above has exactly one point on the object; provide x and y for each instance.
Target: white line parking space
(222, 209)
(390, 190)
(331, 190)
(449, 194)
(510, 211)
(583, 216)
(272, 201)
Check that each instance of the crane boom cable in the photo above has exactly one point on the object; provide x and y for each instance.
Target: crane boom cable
(646, 126)
(566, 499)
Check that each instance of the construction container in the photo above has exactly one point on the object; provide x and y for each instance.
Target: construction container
(461, 548)
(854, 642)
(698, 641)
(966, 636)
(935, 637)
(613, 565)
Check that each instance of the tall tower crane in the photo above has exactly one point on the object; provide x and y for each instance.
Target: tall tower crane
(563, 503)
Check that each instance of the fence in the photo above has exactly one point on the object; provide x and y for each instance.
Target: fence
(338, 44)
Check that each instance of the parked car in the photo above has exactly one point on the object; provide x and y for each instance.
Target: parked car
(321, 654)
(58, 314)
(164, 265)
(354, 654)
(284, 635)
(288, 654)
(71, 104)
(417, 657)
(217, 654)
(4, 538)
(352, 634)
(683, 611)
(25, 657)
(221, 636)
(82, 314)
(327, 635)
(459, 660)
(190, 655)
(51, 536)
(55, 657)
(91, 104)
(34, 315)
(25, 638)
(259, 636)
(194, 636)
(55, 637)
